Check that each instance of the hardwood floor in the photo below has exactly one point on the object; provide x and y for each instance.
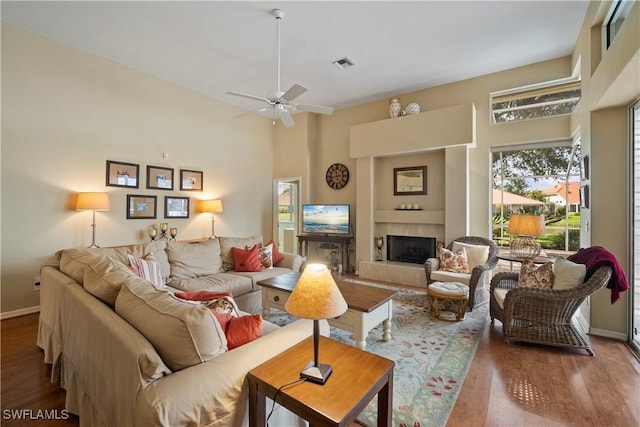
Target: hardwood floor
(507, 385)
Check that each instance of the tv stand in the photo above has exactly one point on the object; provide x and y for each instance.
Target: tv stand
(343, 241)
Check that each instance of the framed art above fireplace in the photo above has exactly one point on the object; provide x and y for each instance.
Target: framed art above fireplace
(410, 181)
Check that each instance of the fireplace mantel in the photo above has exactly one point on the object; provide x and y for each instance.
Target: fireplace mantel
(450, 129)
(409, 217)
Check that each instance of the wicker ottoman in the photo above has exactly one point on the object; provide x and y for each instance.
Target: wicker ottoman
(448, 296)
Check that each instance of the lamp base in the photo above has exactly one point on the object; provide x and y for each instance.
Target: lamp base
(525, 247)
(93, 246)
(316, 374)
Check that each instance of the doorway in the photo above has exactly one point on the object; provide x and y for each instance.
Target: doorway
(287, 211)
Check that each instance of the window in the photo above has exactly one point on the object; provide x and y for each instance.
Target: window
(532, 102)
(618, 13)
(539, 179)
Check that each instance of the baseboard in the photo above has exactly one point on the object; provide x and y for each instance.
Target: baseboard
(599, 332)
(21, 312)
(608, 334)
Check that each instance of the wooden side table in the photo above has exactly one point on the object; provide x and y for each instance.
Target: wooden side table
(357, 377)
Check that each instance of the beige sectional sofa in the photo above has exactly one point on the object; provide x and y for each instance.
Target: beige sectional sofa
(130, 354)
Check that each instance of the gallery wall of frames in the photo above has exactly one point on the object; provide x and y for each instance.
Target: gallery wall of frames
(145, 206)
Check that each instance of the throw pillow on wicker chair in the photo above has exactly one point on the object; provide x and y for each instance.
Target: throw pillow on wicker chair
(532, 276)
(454, 261)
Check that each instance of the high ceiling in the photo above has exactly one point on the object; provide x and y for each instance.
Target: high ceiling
(396, 47)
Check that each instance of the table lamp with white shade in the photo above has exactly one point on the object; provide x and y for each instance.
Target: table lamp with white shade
(316, 296)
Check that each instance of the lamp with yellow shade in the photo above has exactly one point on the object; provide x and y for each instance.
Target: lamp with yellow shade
(527, 227)
(212, 206)
(95, 202)
(316, 296)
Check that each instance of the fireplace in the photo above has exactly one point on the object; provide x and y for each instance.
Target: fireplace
(410, 249)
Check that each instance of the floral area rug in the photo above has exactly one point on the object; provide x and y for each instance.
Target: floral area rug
(432, 358)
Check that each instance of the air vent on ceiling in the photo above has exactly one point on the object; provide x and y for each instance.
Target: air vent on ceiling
(343, 63)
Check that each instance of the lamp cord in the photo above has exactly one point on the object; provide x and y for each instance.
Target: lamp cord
(275, 396)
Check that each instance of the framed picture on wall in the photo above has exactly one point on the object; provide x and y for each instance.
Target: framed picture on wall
(141, 207)
(120, 174)
(176, 207)
(159, 178)
(190, 180)
(410, 181)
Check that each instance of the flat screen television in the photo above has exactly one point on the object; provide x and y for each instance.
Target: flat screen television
(326, 219)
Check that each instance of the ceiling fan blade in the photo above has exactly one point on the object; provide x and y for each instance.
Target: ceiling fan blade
(256, 111)
(320, 109)
(244, 95)
(294, 91)
(286, 118)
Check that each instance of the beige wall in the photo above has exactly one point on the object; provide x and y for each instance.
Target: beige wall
(616, 84)
(64, 113)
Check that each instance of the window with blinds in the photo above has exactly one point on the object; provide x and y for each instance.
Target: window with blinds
(533, 102)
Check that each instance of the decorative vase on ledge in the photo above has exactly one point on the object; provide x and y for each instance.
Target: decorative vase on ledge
(394, 108)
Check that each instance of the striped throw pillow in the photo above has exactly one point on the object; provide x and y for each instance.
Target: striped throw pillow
(148, 269)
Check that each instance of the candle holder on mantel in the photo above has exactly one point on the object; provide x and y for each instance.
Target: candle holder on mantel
(163, 229)
(379, 241)
(173, 232)
(153, 233)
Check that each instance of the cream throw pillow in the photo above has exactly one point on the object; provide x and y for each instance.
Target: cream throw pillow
(568, 274)
(476, 254)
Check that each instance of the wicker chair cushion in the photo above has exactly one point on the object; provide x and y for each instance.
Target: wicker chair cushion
(476, 254)
(500, 294)
(454, 261)
(567, 274)
(533, 276)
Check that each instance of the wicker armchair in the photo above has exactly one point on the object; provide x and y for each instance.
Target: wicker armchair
(543, 316)
(478, 293)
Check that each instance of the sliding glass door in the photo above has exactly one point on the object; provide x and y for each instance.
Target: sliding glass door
(635, 270)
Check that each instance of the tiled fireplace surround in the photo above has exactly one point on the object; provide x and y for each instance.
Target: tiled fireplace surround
(450, 129)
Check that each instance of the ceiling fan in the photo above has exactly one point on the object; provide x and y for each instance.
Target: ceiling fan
(279, 102)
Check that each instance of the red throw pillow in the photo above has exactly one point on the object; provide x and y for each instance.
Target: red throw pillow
(240, 330)
(246, 259)
(276, 256)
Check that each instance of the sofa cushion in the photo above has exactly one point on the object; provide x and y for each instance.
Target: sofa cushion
(72, 264)
(100, 275)
(228, 243)
(184, 333)
(188, 260)
(220, 282)
(246, 259)
(476, 254)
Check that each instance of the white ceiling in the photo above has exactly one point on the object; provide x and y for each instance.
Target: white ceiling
(212, 47)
